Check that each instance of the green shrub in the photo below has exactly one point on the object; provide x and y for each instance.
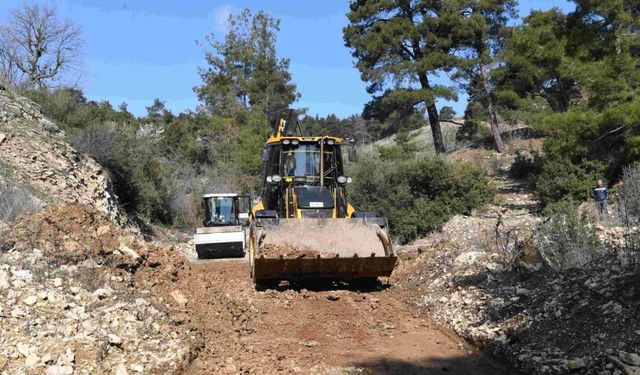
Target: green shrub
(474, 129)
(526, 165)
(447, 113)
(560, 180)
(417, 196)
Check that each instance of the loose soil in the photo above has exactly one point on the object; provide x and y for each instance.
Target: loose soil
(231, 327)
(323, 329)
(288, 251)
(344, 237)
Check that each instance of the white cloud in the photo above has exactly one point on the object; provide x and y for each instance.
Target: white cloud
(221, 18)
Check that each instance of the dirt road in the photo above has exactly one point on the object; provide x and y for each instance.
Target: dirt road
(320, 331)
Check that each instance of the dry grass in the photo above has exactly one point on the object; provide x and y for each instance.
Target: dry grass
(470, 155)
(14, 201)
(531, 145)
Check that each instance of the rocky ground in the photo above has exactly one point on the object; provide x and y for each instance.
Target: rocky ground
(77, 297)
(484, 279)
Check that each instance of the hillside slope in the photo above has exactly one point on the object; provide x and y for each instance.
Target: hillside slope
(81, 292)
(487, 277)
(34, 156)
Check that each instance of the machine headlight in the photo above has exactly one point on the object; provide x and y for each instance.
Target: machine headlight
(342, 179)
(286, 141)
(269, 179)
(330, 141)
(295, 142)
(349, 180)
(275, 178)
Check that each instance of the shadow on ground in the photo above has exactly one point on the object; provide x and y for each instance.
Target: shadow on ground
(556, 316)
(470, 365)
(323, 285)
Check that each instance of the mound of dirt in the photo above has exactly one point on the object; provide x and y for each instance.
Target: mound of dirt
(79, 294)
(328, 238)
(74, 233)
(288, 251)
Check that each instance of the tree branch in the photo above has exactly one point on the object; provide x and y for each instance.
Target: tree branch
(607, 134)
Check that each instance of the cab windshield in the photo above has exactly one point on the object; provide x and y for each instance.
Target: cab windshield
(304, 161)
(221, 210)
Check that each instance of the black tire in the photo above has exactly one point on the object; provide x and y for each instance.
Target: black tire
(366, 283)
(267, 284)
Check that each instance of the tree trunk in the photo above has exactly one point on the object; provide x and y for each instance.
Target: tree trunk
(434, 121)
(493, 115)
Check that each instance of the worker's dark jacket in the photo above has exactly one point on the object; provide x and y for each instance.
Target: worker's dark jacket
(601, 194)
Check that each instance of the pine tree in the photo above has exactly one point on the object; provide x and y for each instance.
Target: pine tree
(481, 29)
(399, 46)
(244, 85)
(244, 71)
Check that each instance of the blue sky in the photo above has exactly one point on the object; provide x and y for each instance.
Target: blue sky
(138, 50)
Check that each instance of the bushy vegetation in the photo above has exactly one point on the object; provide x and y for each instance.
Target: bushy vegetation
(161, 163)
(565, 240)
(526, 165)
(417, 195)
(447, 113)
(134, 151)
(474, 131)
(574, 76)
(560, 180)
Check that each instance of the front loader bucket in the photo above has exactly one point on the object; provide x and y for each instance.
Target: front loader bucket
(345, 249)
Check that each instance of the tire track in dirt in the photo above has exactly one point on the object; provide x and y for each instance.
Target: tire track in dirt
(319, 331)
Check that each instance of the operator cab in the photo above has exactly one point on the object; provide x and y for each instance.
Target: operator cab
(308, 173)
(300, 161)
(225, 209)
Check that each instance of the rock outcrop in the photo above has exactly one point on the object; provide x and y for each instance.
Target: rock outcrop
(34, 154)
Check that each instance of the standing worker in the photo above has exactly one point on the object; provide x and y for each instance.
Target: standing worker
(601, 195)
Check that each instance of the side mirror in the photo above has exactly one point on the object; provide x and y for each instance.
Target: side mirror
(353, 156)
(265, 154)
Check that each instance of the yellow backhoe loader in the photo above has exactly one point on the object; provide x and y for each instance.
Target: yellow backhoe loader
(304, 205)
